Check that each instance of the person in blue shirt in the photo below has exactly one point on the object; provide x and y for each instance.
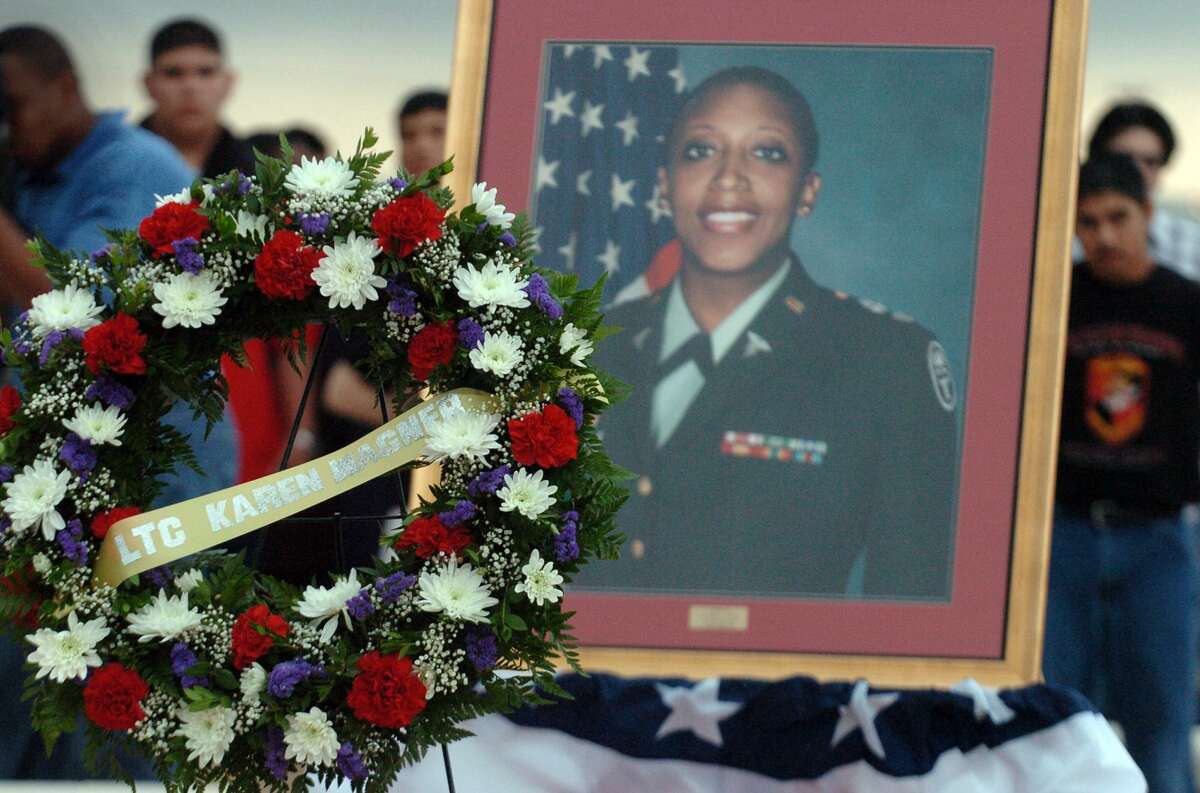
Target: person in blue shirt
(77, 172)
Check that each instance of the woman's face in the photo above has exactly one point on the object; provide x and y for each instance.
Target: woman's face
(735, 180)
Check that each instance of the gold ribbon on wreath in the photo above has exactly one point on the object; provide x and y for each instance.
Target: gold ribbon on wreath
(155, 538)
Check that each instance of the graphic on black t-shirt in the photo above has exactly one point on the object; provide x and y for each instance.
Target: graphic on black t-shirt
(1117, 388)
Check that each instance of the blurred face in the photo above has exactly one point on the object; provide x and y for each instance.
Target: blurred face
(38, 107)
(1146, 149)
(188, 85)
(1112, 228)
(735, 180)
(423, 139)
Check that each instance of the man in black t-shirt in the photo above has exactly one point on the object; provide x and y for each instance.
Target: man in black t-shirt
(1119, 622)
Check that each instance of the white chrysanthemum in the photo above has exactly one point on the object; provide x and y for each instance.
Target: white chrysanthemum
(485, 203)
(189, 300)
(207, 733)
(66, 655)
(41, 563)
(526, 493)
(326, 603)
(252, 226)
(347, 273)
(189, 580)
(253, 681)
(33, 497)
(574, 342)
(457, 592)
(164, 618)
(63, 309)
(463, 434)
(494, 285)
(327, 178)
(98, 424)
(184, 197)
(310, 738)
(498, 353)
(541, 580)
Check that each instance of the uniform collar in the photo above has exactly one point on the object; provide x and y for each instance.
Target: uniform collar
(679, 326)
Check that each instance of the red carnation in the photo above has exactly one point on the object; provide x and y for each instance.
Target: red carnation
(386, 692)
(10, 403)
(546, 439)
(104, 521)
(113, 697)
(407, 222)
(115, 344)
(172, 222)
(18, 584)
(248, 643)
(429, 536)
(433, 346)
(283, 268)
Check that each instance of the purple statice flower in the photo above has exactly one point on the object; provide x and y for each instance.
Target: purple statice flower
(393, 586)
(398, 184)
(274, 753)
(462, 512)
(6, 473)
(287, 675)
(360, 606)
(183, 659)
(110, 391)
(185, 254)
(470, 333)
(160, 577)
(539, 294)
(488, 482)
(481, 647)
(23, 346)
(403, 298)
(100, 253)
(5, 524)
(570, 402)
(508, 239)
(70, 539)
(566, 543)
(53, 339)
(244, 184)
(482, 227)
(313, 225)
(350, 763)
(79, 456)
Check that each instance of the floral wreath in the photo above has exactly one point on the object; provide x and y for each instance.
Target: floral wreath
(213, 671)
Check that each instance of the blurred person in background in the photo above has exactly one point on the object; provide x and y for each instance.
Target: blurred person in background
(304, 142)
(1137, 129)
(189, 84)
(421, 123)
(76, 172)
(1120, 622)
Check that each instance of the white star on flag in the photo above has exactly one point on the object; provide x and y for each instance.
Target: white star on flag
(987, 701)
(676, 74)
(560, 105)
(611, 258)
(637, 63)
(860, 713)
(657, 206)
(569, 50)
(545, 174)
(568, 250)
(581, 183)
(602, 53)
(589, 119)
(621, 192)
(535, 239)
(628, 127)
(696, 710)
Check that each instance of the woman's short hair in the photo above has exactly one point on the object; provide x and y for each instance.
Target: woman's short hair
(794, 103)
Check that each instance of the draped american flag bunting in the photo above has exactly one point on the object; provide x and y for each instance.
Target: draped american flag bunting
(604, 112)
(792, 736)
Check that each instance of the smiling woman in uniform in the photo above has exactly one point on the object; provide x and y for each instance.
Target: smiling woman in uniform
(787, 439)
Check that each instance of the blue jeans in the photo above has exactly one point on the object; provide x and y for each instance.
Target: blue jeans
(1121, 629)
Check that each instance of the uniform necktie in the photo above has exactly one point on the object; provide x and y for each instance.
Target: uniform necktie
(697, 348)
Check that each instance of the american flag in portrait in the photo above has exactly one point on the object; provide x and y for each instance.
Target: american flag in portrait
(595, 204)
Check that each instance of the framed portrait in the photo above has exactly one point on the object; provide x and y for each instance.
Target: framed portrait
(836, 239)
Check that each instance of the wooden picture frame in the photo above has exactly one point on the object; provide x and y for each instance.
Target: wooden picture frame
(1028, 310)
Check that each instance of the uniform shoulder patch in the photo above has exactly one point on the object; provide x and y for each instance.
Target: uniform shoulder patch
(940, 374)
